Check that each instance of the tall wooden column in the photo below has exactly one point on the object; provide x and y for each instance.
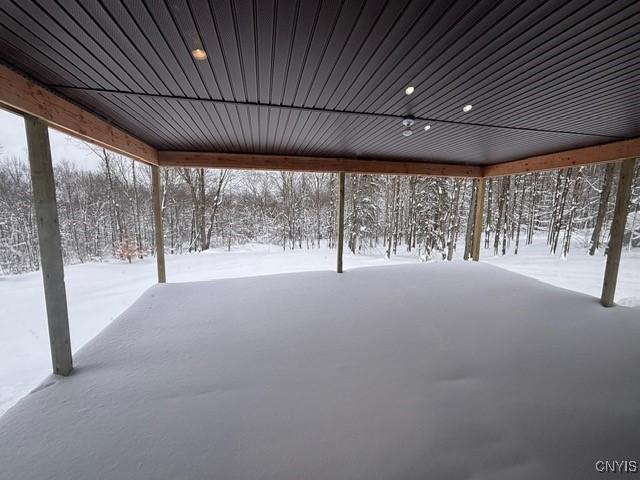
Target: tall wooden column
(617, 232)
(477, 220)
(157, 221)
(46, 209)
(340, 243)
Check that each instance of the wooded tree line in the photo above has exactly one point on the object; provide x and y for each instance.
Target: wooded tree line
(106, 212)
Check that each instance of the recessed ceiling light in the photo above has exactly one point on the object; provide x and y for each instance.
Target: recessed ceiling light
(199, 54)
(407, 132)
(467, 108)
(409, 90)
(427, 127)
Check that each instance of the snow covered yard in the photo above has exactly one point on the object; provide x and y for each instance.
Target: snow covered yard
(99, 292)
(456, 370)
(578, 271)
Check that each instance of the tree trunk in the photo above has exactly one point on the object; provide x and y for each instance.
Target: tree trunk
(520, 212)
(605, 192)
(468, 240)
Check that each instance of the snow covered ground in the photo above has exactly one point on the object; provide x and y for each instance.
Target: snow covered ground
(99, 292)
(458, 370)
(578, 271)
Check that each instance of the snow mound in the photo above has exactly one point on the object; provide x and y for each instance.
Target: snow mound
(455, 371)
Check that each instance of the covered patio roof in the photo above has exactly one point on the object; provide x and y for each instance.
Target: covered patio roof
(464, 89)
(322, 85)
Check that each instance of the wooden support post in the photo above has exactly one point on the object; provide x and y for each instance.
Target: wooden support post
(477, 220)
(157, 221)
(616, 236)
(340, 243)
(46, 209)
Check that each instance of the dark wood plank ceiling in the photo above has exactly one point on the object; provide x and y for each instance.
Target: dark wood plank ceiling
(327, 77)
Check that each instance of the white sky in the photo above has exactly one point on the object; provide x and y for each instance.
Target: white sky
(14, 143)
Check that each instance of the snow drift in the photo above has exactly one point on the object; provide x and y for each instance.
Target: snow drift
(455, 371)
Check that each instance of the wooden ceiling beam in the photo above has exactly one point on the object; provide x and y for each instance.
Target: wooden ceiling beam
(242, 161)
(607, 152)
(602, 153)
(20, 94)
